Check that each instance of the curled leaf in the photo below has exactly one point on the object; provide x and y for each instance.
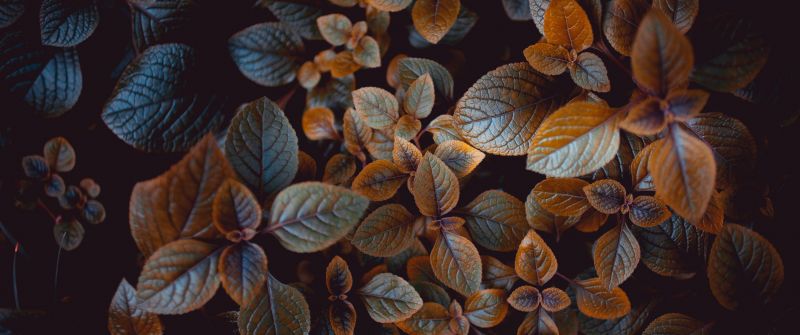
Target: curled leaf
(675, 324)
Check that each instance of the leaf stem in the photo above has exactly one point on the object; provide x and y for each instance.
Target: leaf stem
(284, 100)
(603, 48)
(58, 263)
(40, 204)
(568, 280)
(14, 276)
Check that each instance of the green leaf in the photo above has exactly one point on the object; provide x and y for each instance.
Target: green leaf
(267, 53)
(389, 298)
(278, 309)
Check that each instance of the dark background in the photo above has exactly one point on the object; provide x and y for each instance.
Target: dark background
(89, 275)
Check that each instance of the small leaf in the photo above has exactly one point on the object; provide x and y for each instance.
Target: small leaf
(125, 317)
(420, 97)
(646, 211)
(621, 22)
(339, 169)
(538, 322)
(525, 298)
(389, 298)
(312, 216)
(486, 308)
(68, 234)
(367, 53)
(744, 269)
(308, 75)
(410, 69)
(54, 186)
(378, 107)
(381, 144)
(385, 232)
(434, 18)
(243, 271)
(566, 24)
(267, 53)
(390, 5)
(94, 212)
(319, 124)
(662, 57)
(595, 301)
(342, 316)
(576, 139)
(640, 176)
(335, 28)
(495, 274)
(67, 24)
(456, 263)
(338, 278)
(436, 189)
(379, 180)
(606, 196)
(333, 93)
(460, 157)
(235, 208)
(278, 309)
(431, 319)
(407, 127)
(675, 324)
(344, 64)
(645, 117)
(406, 155)
(356, 132)
(59, 154)
(550, 59)
(535, 262)
(590, 73)
(562, 196)
(554, 299)
(616, 255)
(306, 167)
(262, 147)
(496, 220)
(36, 167)
(686, 104)
(179, 277)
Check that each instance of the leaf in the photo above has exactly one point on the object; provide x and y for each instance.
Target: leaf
(606, 196)
(436, 189)
(54, 186)
(640, 176)
(554, 299)
(407, 127)
(684, 172)
(381, 145)
(501, 111)
(390, 5)
(262, 147)
(338, 278)
(420, 97)
(566, 24)
(538, 322)
(562, 196)
(538, 8)
(681, 12)
(744, 269)
(278, 309)
(335, 28)
(306, 167)
(397, 263)
(486, 308)
(156, 22)
(496, 220)
(662, 57)
(36, 167)
(299, 16)
(686, 104)
(312, 216)
(68, 234)
(308, 75)
(342, 315)
(456, 263)
(319, 124)
(376, 106)
(179, 277)
(576, 139)
(732, 144)
(411, 68)
(590, 73)
(333, 93)
(389, 298)
(646, 211)
(10, 11)
(178, 203)
(59, 154)
(675, 324)
(125, 317)
(443, 129)
(549, 59)
(621, 21)
(356, 132)
(632, 323)
(525, 298)
(645, 117)
(157, 104)
(235, 209)
(344, 64)
(535, 262)
(433, 18)
(67, 24)
(460, 157)
(267, 53)
(671, 248)
(594, 300)
(495, 274)
(405, 155)
(386, 231)
(339, 169)
(243, 271)
(367, 53)
(431, 319)
(379, 180)
(465, 21)
(616, 255)
(419, 269)
(517, 10)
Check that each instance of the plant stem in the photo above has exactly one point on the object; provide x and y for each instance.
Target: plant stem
(602, 48)
(11, 238)
(58, 263)
(14, 276)
(284, 100)
(52, 216)
(568, 280)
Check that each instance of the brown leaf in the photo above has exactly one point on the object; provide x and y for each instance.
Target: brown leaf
(443, 129)
(406, 155)
(367, 53)
(590, 221)
(713, 219)
(684, 172)
(308, 75)
(306, 167)
(538, 217)
(335, 28)
(550, 59)
(675, 248)
(431, 319)
(379, 180)
(646, 211)
(621, 21)
(525, 298)
(59, 154)
(420, 97)
(576, 139)
(596, 301)
(456, 263)
(125, 317)
(640, 176)
(69, 234)
(676, 324)
(356, 132)
(339, 169)
(389, 298)
(378, 107)
(681, 12)
(555, 299)
(342, 315)
(562, 196)
(662, 57)
(243, 271)
(344, 64)
(538, 322)
(278, 309)
(434, 18)
(393, 71)
(385, 232)
(338, 278)
(496, 220)
(495, 274)
(645, 117)
(616, 255)
(418, 268)
(606, 196)
(732, 144)
(319, 124)
(460, 157)
(407, 127)
(566, 24)
(381, 144)
(436, 189)
(590, 73)
(535, 262)
(486, 308)
(390, 5)
(685, 104)
(235, 209)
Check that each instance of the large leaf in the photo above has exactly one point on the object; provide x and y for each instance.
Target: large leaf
(10, 11)
(179, 277)
(157, 104)
(67, 23)
(456, 263)
(500, 112)
(674, 248)
(431, 319)
(566, 24)
(312, 216)
(379, 180)
(496, 220)
(178, 203)
(125, 317)
(486, 308)
(744, 269)
(436, 189)
(267, 53)
(596, 301)
(621, 21)
(732, 144)
(662, 57)
(262, 147)
(577, 139)
(278, 309)
(411, 68)
(156, 21)
(299, 16)
(535, 261)
(389, 298)
(433, 18)
(385, 232)
(616, 255)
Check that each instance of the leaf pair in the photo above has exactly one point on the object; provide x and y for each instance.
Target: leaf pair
(484, 309)
(610, 197)
(567, 33)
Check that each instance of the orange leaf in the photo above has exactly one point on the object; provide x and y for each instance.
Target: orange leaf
(616, 255)
(535, 262)
(243, 271)
(434, 18)
(486, 308)
(356, 132)
(236, 209)
(550, 59)
(554, 299)
(596, 301)
(338, 278)
(606, 196)
(645, 118)
(525, 298)
(406, 155)
(334, 28)
(460, 157)
(318, 124)
(566, 24)
(339, 169)
(385, 232)
(456, 263)
(436, 189)
(125, 317)
(344, 64)
(662, 57)
(379, 180)
(646, 211)
(562, 196)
